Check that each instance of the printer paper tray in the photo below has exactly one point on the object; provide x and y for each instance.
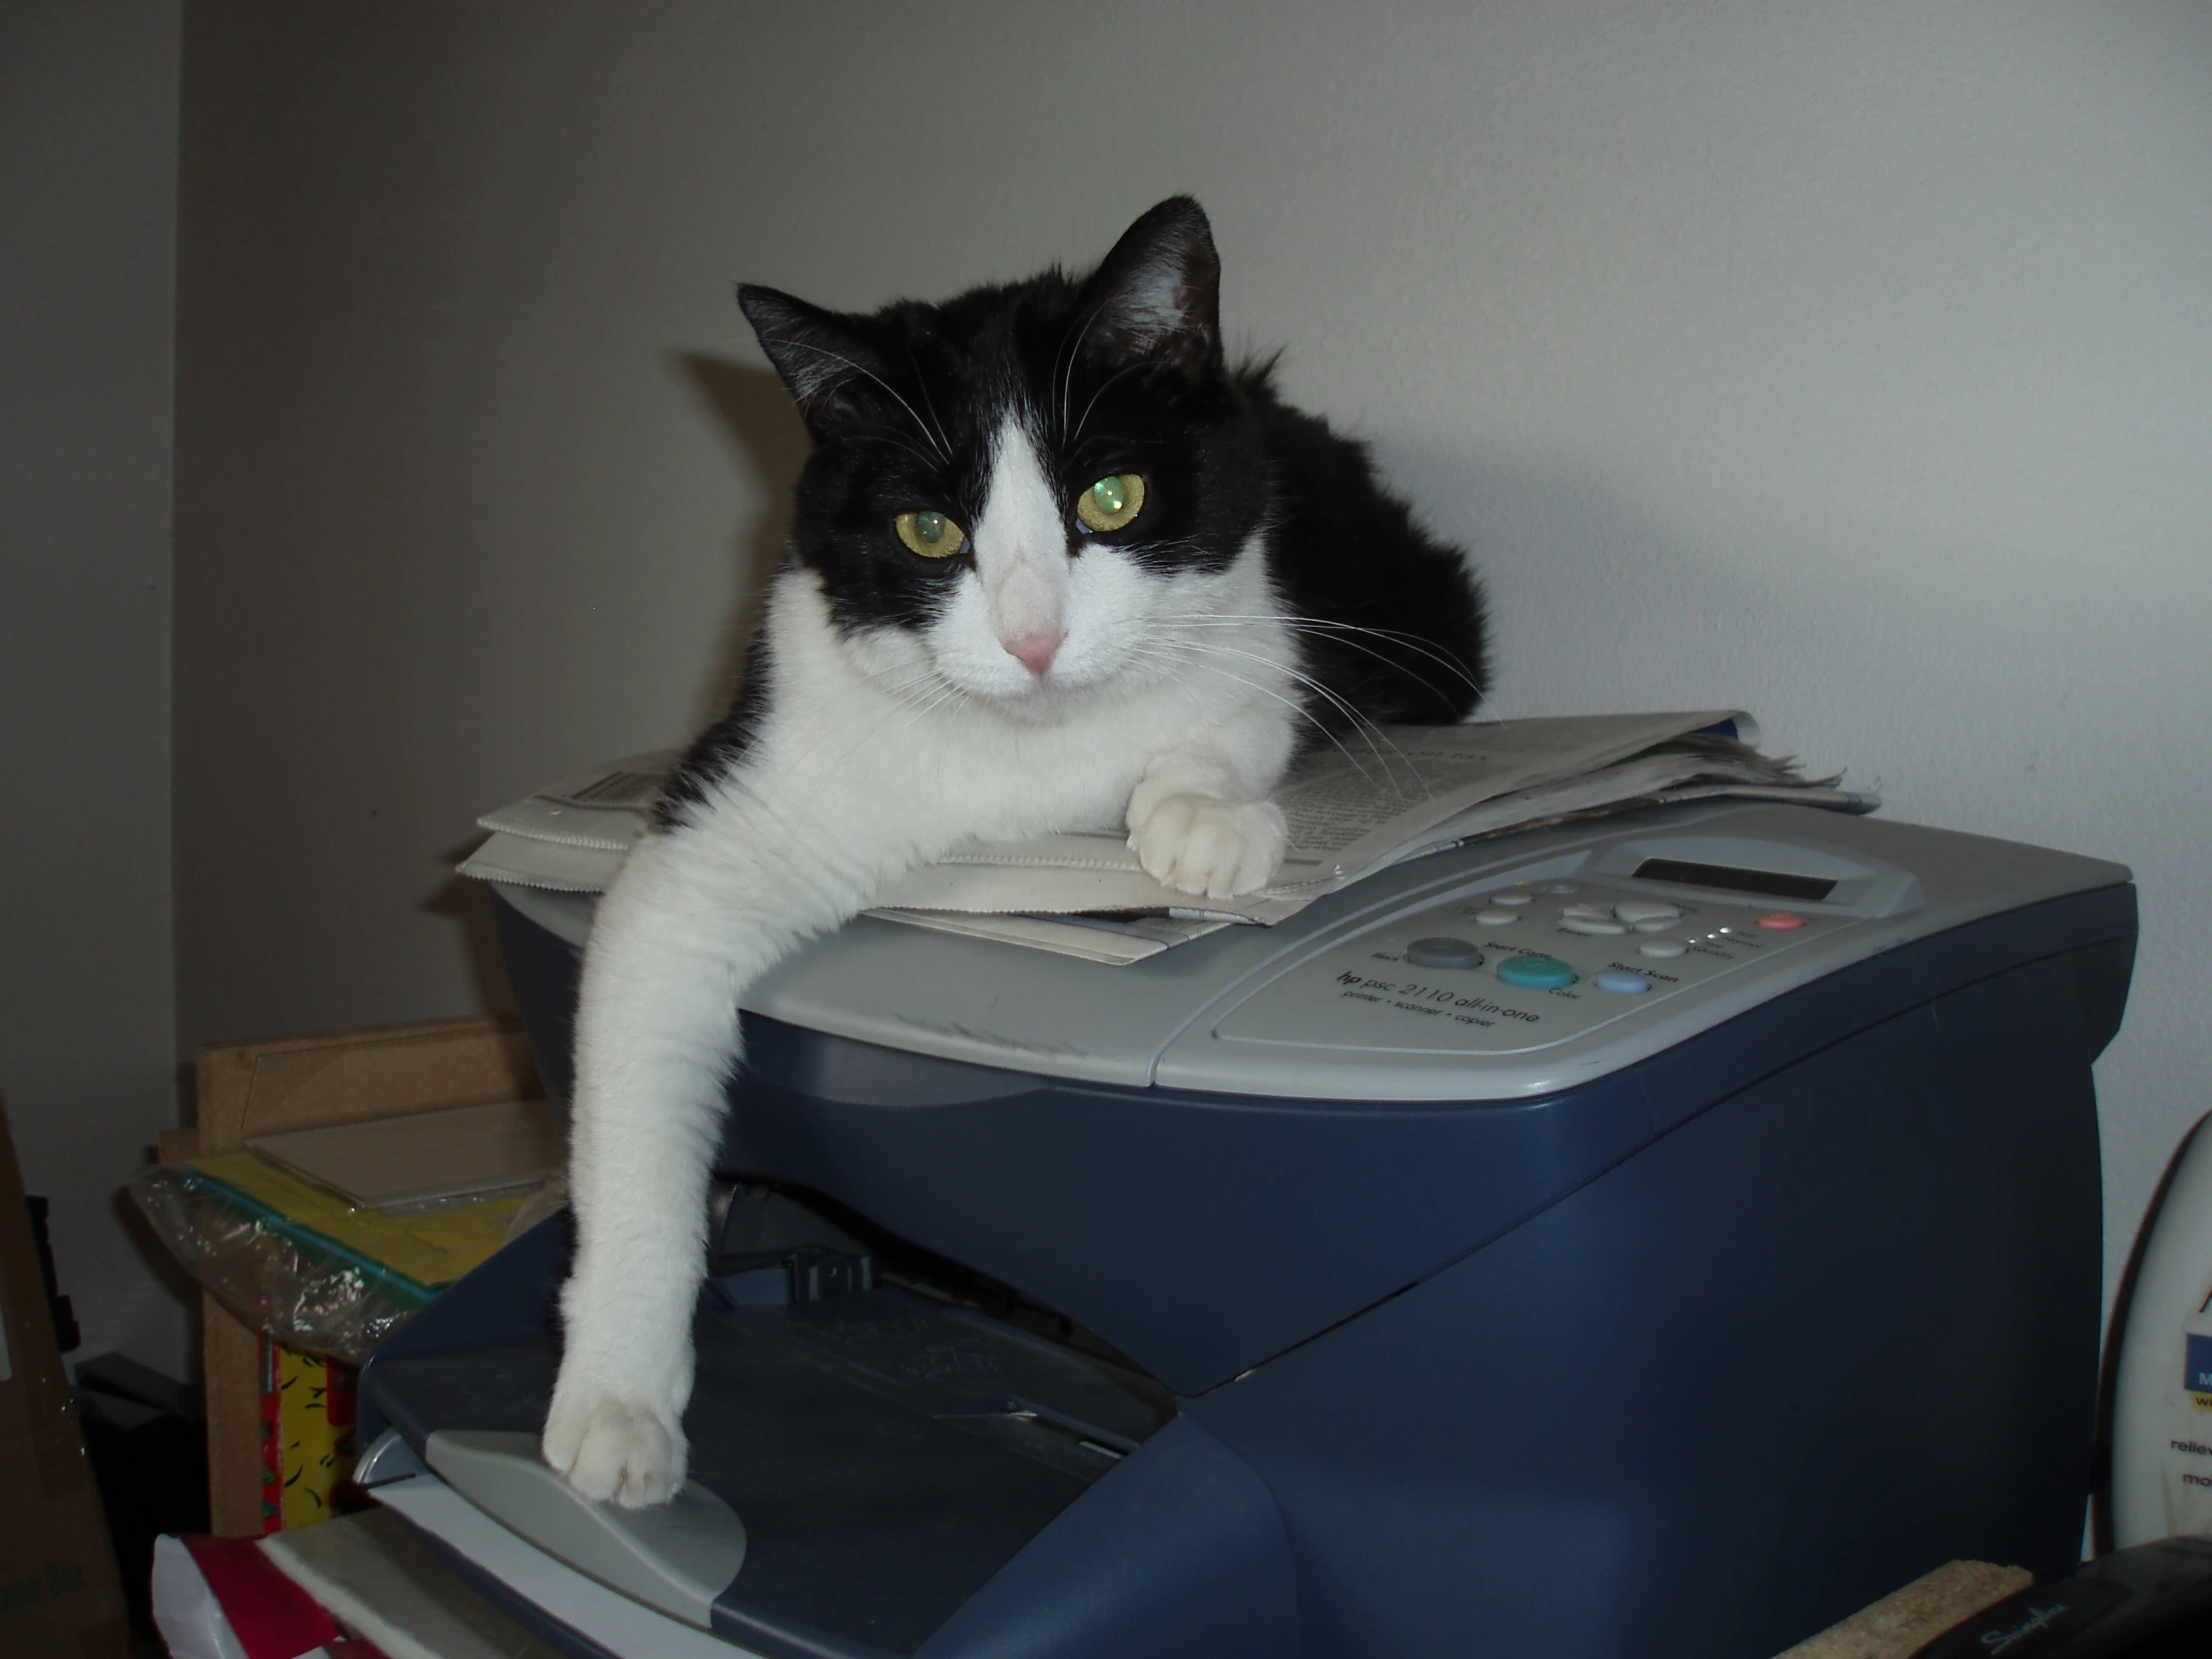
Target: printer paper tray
(625, 1629)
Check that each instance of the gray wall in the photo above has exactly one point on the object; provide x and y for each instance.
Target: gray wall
(88, 167)
(1851, 362)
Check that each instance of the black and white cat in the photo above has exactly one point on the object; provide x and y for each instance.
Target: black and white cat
(1056, 565)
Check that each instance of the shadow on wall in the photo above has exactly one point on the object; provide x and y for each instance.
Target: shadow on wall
(756, 412)
(467, 904)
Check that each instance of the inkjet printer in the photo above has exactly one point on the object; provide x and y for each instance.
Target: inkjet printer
(1657, 1236)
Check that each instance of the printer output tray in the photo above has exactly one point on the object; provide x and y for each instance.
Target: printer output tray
(888, 1453)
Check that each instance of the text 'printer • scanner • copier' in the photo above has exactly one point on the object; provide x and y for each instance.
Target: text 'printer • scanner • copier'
(1660, 1236)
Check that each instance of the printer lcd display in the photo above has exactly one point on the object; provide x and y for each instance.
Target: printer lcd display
(1808, 889)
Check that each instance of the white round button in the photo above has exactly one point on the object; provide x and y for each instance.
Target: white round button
(1513, 899)
(1661, 948)
(1646, 910)
(1591, 928)
(1655, 925)
(1496, 918)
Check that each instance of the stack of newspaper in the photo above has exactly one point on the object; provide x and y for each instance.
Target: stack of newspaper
(1374, 800)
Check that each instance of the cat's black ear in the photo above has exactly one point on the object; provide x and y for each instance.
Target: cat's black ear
(1158, 293)
(823, 360)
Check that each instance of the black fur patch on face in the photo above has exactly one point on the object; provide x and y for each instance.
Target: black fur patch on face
(1119, 372)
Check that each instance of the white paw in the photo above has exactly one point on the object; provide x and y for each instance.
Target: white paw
(614, 1450)
(1203, 846)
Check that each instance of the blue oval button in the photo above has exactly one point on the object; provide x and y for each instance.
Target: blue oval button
(1622, 983)
(1535, 974)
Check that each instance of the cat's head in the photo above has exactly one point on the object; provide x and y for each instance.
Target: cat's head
(1023, 490)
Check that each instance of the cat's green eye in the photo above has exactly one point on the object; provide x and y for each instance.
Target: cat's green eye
(1112, 502)
(933, 535)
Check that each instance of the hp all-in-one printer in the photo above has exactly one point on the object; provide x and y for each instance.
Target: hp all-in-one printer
(1659, 1236)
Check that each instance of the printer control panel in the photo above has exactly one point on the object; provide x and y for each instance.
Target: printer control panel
(1498, 970)
(1518, 967)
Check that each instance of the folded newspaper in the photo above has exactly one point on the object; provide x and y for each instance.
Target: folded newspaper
(1372, 800)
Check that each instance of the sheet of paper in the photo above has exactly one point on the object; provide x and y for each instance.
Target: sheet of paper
(622, 1627)
(604, 808)
(1360, 802)
(528, 861)
(1632, 780)
(1371, 801)
(369, 1571)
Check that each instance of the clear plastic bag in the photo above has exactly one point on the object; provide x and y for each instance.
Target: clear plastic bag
(315, 1301)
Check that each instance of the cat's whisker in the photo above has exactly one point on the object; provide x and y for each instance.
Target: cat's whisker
(1328, 628)
(1333, 698)
(860, 724)
(1186, 660)
(924, 692)
(945, 691)
(921, 383)
(1359, 721)
(860, 368)
(1073, 346)
(919, 696)
(898, 681)
(1441, 658)
(922, 709)
(862, 435)
(1387, 662)
(1103, 388)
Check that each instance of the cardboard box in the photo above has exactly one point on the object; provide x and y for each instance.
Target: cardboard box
(59, 1594)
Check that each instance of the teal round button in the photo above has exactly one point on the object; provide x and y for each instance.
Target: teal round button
(1535, 974)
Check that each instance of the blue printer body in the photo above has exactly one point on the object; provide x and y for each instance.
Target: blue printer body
(1336, 1290)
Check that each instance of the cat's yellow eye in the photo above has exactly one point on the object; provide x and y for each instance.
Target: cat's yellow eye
(933, 535)
(1112, 502)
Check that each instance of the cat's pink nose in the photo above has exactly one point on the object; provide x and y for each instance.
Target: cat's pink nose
(1035, 651)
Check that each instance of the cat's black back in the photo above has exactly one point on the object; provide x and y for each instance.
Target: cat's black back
(1390, 620)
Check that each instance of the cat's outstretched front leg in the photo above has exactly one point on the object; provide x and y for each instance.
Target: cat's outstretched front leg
(1200, 820)
(676, 938)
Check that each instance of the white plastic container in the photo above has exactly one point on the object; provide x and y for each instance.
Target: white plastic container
(2162, 1396)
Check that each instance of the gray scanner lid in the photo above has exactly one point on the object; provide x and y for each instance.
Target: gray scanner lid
(1328, 1005)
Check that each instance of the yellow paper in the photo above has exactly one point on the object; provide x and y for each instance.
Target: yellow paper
(432, 1247)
